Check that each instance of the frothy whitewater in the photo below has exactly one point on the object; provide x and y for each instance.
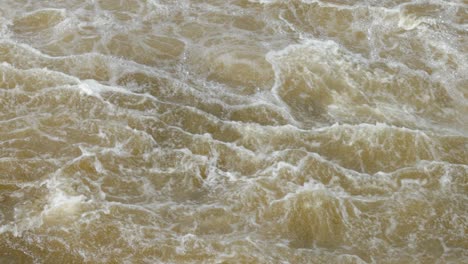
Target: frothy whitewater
(233, 131)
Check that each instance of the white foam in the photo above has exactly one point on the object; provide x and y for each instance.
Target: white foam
(90, 87)
(59, 202)
(410, 22)
(67, 204)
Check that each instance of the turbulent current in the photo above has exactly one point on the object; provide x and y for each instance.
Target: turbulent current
(233, 131)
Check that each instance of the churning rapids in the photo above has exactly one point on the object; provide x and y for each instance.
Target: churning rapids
(233, 131)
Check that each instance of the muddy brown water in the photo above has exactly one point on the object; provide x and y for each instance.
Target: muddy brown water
(262, 131)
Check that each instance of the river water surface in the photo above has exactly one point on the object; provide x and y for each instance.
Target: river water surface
(233, 131)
